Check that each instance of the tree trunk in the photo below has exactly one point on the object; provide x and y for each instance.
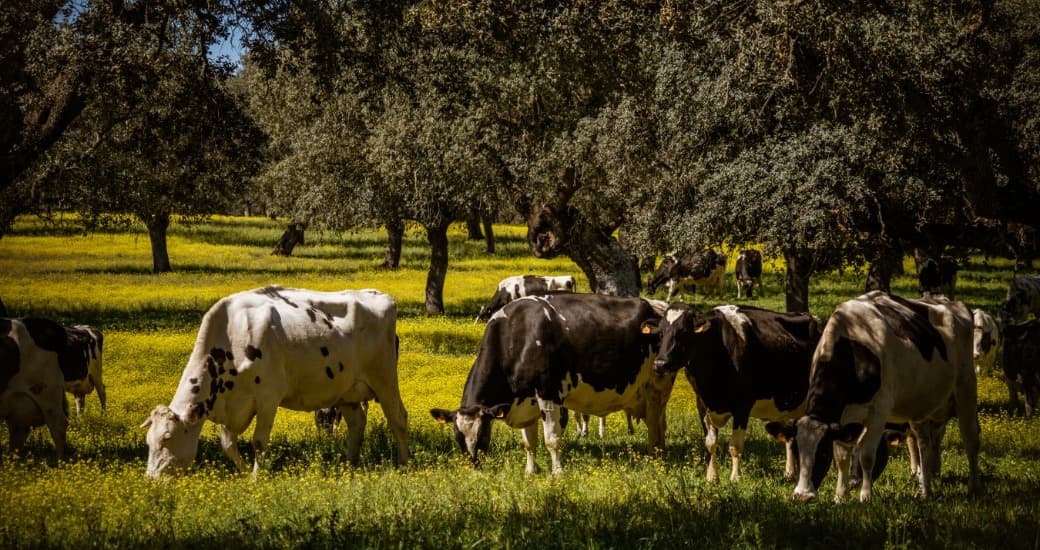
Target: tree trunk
(293, 236)
(608, 266)
(888, 262)
(489, 235)
(157, 225)
(473, 226)
(796, 284)
(437, 235)
(394, 237)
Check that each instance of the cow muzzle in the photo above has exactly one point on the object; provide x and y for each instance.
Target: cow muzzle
(662, 366)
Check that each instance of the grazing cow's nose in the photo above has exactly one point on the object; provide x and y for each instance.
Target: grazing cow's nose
(660, 365)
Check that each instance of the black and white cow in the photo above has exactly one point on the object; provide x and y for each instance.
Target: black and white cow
(282, 347)
(32, 383)
(1022, 363)
(886, 359)
(82, 355)
(985, 341)
(3, 309)
(743, 362)
(517, 286)
(937, 278)
(706, 268)
(749, 273)
(1023, 298)
(586, 352)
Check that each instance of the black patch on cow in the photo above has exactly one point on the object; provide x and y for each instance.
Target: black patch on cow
(10, 356)
(341, 367)
(74, 358)
(310, 313)
(253, 353)
(328, 372)
(233, 371)
(275, 292)
(193, 380)
(47, 334)
(218, 355)
(221, 370)
(324, 351)
(852, 374)
(257, 379)
(229, 385)
(916, 327)
(211, 368)
(196, 389)
(229, 356)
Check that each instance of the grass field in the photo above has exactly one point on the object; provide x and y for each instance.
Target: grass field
(612, 495)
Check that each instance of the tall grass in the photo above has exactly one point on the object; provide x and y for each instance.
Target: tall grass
(612, 493)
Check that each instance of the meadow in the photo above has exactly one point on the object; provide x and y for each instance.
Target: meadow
(612, 494)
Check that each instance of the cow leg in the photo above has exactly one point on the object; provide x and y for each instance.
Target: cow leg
(552, 428)
(603, 425)
(80, 403)
(740, 289)
(262, 434)
(913, 451)
(843, 463)
(530, 437)
(581, 423)
(229, 442)
(928, 443)
(866, 455)
(736, 450)
(100, 392)
(711, 440)
(19, 433)
(356, 416)
(968, 421)
(790, 462)
(389, 398)
(57, 420)
(658, 391)
(628, 420)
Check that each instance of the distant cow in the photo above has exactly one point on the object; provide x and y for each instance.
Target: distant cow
(937, 278)
(749, 273)
(1022, 363)
(1023, 298)
(586, 352)
(82, 355)
(281, 347)
(886, 359)
(706, 268)
(787, 432)
(31, 380)
(985, 341)
(743, 362)
(511, 288)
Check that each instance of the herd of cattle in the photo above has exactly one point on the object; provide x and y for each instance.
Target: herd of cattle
(881, 368)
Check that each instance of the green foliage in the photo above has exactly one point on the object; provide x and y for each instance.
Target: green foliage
(611, 494)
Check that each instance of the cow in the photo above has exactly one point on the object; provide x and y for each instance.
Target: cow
(985, 341)
(743, 362)
(586, 352)
(749, 273)
(706, 268)
(281, 347)
(1023, 298)
(3, 309)
(937, 278)
(517, 286)
(32, 383)
(581, 422)
(329, 418)
(83, 354)
(883, 359)
(787, 432)
(1022, 363)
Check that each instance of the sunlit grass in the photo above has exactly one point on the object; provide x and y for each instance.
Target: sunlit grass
(612, 494)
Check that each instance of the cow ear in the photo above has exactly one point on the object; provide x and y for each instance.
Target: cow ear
(195, 414)
(499, 411)
(782, 431)
(701, 327)
(443, 416)
(650, 326)
(847, 433)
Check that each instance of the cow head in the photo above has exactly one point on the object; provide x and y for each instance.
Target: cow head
(815, 440)
(676, 330)
(663, 273)
(172, 441)
(498, 301)
(472, 427)
(985, 335)
(1017, 305)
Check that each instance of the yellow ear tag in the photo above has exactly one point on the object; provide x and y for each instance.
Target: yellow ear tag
(701, 328)
(646, 329)
(441, 420)
(781, 438)
(500, 414)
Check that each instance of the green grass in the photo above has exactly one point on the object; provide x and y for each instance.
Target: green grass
(611, 495)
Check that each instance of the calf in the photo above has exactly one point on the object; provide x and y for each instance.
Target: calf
(281, 347)
(1023, 298)
(749, 273)
(31, 380)
(743, 362)
(985, 341)
(517, 286)
(937, 278)
(886, 359)
(82, 355)
(1022, 363)
(586, 352)
(707, 268)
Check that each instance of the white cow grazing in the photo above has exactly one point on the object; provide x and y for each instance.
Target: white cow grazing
(282, 347)
(987, 337)
(32, 385)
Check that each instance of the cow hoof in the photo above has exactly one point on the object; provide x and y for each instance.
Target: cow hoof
(807, 497)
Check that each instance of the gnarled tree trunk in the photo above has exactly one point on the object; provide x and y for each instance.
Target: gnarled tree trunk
(489, 235)
(437, 235)
(394, 238)
(293, 236)
(157, 224)
(796, 283)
